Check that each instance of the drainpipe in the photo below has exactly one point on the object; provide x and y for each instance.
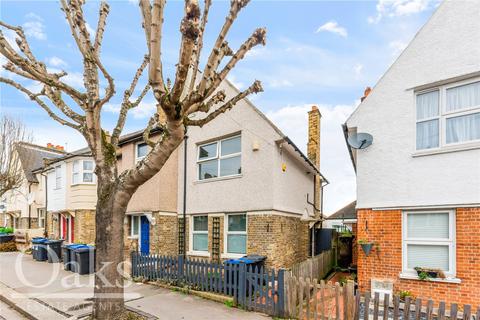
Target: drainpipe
(45, 231)
(29, 206)
(185, 139)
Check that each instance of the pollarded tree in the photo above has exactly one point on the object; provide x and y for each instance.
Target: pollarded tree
(193, 99)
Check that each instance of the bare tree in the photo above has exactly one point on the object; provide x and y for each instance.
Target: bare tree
(12, 132)
(193, 99)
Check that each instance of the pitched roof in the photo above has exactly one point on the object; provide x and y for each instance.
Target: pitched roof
(32, 156)
(347, 212)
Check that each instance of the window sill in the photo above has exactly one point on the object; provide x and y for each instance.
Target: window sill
(132, 237)
(407, 276)
(199, 253)
(83, 184)
(232, 255)
(218, 179)
(447, 149)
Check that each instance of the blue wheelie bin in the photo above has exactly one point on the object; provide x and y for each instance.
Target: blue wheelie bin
(68, 255)
(84, 260)
(54, 250)
(39, 249)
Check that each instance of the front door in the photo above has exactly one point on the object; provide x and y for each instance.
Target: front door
(144, 235)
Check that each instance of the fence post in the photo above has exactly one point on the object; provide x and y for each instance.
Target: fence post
(180, 268)
(242, 284)
(281, 293)
(134, 264)
(350, 300)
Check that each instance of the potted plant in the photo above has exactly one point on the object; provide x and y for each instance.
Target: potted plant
(367, 246)
(429, 273)
(403, 294)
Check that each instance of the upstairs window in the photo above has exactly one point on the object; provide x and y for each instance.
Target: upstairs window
(220, 158)
(448, 116)
(58, 177)
(82, 171)
(141, 150)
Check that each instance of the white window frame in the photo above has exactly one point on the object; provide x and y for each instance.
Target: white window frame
(58, 176)
(227, 254)
(443, 115)
(41, 212)
(219, 157)
(132, 235)
(192, 232)
(137, 159)
(81, 171)
(451, 242)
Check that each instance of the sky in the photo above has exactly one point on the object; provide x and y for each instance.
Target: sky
(322, 53)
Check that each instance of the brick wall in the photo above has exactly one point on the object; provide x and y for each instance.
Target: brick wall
(84, 226)
(164, 234)
(284, 240)
(385, 262)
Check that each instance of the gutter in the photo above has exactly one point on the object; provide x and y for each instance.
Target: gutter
(345, 135)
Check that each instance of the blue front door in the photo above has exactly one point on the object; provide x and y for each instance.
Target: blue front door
(144, 235)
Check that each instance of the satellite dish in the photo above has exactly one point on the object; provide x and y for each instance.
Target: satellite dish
(360, 140)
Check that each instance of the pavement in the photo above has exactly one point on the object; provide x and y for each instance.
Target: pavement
(46, 291)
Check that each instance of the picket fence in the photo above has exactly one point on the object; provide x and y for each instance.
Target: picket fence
(256, 289)
(310, 299)
(316, 267)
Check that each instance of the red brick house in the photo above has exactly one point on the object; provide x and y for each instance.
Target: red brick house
(418, 190)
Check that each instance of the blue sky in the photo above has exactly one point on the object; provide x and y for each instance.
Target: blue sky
(318, 52)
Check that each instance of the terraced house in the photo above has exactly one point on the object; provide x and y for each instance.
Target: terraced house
(418, 191)
(237, 186)
(25, 206)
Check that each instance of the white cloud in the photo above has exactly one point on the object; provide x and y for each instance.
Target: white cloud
(396, 8)
(333, 27)
(335, 161)
(397, 46)
(358, 69)
(34, 27)
(90, 30)
(279, 83)
(143, 111)
(75, 79)
(237, 84)
(56, 62)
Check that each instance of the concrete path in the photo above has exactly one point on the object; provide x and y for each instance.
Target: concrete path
(46, 291)
(7, 313)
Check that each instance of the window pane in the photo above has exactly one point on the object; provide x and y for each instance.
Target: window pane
(135, 225)
(200, 242)
(230, 146)
(237, 222)
(428, 225)
(208, 169)
(200, 223)
(427, 134)
(87, 177)
(463, 96)
(427, 105)
(76, 167)
(142, 150)
(75, 178)
(207, 151)
(426, 256)
(237, 243)
(230, 166)
(464, 128)
(88, 165)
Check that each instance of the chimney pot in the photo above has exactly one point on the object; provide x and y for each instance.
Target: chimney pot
(366, 93)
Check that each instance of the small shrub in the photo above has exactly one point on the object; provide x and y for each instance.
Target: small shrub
(6, 230)
(228, 303)
(9, 246)
(403, 294)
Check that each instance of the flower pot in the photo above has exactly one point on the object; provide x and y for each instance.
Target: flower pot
(430, 273)
(367, 247)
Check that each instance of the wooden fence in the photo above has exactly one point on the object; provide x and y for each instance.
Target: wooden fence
(308, 299)
(252, 288)
(316, 267)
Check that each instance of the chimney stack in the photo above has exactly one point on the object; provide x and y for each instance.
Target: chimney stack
(313, 150)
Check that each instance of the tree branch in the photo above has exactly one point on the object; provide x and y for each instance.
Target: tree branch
(254, 88)
(102, 20)
(35, 97)
(155, 41)
(190, 30)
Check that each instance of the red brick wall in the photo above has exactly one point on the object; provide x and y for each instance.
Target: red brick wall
(385, 261)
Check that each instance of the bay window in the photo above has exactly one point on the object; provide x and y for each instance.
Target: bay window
(429, 241)
(200, 233)
(236, 234)
(220, 158)
(448, 115)
(82, 171)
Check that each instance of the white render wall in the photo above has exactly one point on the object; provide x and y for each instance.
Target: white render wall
(254, 190)
(56, 197)
(387, 173)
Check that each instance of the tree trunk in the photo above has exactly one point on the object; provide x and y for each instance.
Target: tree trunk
(110, 212)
